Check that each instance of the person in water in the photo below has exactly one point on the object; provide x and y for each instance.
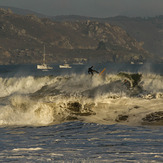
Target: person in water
(91, 71)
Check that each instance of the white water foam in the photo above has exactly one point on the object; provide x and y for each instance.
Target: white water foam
(47, 100)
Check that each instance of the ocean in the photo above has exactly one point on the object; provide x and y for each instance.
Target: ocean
(66, 115)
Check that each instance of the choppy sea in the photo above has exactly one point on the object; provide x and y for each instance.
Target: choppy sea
(66, 115)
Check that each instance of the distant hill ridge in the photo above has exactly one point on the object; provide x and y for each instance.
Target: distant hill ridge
(143, 29)
(148, 30)
(23, 37)
(20, 11)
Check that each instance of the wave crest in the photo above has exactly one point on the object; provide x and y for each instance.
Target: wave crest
(104, 99)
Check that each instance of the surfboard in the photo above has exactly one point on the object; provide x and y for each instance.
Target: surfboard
(102, 71)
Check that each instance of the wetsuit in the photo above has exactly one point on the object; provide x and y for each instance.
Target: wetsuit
(90, 70)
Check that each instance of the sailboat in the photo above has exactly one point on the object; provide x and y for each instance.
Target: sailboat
(44, 66)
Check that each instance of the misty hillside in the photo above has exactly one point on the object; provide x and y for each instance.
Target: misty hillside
(146, 30)
(23, 37)
(149, 30)
(20, 11)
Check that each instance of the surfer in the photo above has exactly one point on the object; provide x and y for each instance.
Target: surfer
(91, 71)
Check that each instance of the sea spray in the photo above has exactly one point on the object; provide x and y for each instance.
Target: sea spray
(51, 100)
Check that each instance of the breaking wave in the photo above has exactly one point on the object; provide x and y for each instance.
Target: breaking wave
(125, 98)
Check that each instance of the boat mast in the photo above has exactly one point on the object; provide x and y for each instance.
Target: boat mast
(44, 56)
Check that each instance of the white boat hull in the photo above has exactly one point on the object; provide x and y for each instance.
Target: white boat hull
(44, 67)
(65, 66)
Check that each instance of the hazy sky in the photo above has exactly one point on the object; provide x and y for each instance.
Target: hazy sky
(95, 8)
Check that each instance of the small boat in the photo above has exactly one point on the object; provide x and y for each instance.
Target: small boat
(44, 66)
(140, 63)
(65, 66)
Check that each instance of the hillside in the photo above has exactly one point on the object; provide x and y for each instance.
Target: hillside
(20, 11)
(149, 30)
(22, 39)
(146, 30)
